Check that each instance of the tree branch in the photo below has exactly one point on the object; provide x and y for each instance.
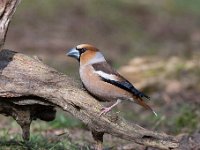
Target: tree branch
(21, 75)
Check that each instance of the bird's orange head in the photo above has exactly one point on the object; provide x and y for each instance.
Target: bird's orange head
(83, 52)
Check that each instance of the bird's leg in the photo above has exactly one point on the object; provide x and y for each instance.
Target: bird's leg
(107, 109)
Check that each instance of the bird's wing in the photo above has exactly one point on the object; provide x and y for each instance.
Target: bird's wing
(109, 75)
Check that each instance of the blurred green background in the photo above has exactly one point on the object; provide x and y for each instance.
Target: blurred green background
(154, 43)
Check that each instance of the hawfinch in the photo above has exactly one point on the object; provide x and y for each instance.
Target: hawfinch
(102, 81)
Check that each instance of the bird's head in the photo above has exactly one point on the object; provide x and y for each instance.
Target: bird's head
(85, 53)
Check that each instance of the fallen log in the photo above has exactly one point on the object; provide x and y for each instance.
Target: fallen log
(23, 76)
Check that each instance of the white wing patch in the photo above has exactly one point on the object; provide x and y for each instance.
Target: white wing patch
(106, 76)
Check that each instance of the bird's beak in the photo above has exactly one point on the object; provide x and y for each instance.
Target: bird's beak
(73, 53)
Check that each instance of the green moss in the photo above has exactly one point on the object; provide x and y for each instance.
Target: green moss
(37, 142)
(65, 121)
(187, 119)
(183, 6)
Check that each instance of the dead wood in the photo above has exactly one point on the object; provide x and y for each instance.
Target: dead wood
(23, 76)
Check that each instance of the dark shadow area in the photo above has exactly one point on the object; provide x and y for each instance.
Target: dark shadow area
(9, 106)
(6, 56)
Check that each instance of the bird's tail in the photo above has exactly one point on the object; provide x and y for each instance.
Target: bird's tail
(141, 102)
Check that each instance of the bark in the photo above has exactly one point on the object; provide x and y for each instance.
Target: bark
(23, 76)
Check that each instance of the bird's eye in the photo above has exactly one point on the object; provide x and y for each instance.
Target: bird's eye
(82, 50)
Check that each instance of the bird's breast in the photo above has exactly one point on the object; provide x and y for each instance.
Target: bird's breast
(100, 89)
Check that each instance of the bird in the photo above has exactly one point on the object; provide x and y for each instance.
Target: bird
(102, 81)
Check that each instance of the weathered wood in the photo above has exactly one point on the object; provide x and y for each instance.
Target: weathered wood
(7, 9)
(21, 75)
(25, 113)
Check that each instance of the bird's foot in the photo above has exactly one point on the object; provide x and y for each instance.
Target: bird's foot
(105, 110)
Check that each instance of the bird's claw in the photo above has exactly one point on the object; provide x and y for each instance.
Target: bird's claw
(104, 110)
